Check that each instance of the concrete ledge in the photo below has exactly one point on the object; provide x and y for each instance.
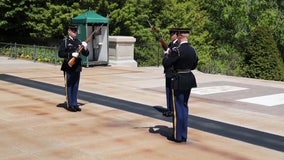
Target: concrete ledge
(128, 63)
(121, 51)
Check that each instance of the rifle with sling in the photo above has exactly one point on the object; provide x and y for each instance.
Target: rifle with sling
(160, 38)
(72, 61)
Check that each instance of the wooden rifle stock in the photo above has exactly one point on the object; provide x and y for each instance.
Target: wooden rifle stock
(163, 43)
(72, 61)
(161, 39)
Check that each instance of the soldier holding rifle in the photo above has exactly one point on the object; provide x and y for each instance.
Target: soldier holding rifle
(71, 49)
(183, 59)
(169, 73)
(168, 70)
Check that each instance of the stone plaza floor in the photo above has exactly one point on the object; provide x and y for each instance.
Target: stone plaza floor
(231, 118)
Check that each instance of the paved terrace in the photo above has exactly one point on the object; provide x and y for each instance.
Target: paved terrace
(231, 118)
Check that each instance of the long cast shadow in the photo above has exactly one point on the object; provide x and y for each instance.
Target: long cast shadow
(264, 139)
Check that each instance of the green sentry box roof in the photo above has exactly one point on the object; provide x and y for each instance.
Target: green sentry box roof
(89, 17)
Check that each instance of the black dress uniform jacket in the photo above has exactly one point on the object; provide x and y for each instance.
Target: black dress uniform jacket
(67, 47)
(183, 61)
(168, 70)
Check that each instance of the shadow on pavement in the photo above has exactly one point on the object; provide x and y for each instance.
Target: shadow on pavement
(248, 135)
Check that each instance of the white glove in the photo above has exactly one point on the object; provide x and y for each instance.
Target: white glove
(167, 51)
(75, 54)
(85, 45)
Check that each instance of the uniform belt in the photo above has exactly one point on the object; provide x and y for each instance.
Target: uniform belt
(183, 70)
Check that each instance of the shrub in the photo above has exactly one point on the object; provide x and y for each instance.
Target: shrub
(262, 59)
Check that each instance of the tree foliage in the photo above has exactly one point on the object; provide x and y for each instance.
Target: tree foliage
(220, 30)
(262, 59)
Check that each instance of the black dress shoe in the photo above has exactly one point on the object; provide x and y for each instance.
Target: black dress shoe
(77, 108)
(168, 113)
(183, 139)
(71, 109)
(171, 138)
(164, 113)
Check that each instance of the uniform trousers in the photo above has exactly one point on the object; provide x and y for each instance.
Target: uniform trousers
(169, 94)
(71, 88)
(180, 118)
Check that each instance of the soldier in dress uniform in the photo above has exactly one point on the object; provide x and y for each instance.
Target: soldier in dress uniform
(69, 49)
(183, 59)
(169, 73)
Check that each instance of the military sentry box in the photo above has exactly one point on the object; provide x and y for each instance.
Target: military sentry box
(98, 48)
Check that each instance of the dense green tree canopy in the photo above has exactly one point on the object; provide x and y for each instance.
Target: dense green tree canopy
(262, 58)
(221, 30)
